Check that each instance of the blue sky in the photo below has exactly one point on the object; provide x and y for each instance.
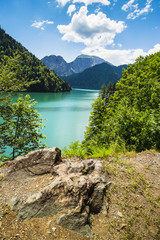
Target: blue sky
(116, 30)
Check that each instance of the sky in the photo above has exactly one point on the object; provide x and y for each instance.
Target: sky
(118, 31)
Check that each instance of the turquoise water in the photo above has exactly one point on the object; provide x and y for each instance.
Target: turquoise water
(66, 115)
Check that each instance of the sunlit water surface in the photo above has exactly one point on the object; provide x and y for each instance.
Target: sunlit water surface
(66, 115)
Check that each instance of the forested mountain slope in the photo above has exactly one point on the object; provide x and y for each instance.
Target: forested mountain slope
(28, 67)
(96, 76)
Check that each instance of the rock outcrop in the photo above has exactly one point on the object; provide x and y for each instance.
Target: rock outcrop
(42, 184)
(38, 162)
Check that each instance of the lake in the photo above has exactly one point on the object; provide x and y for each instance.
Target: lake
(66, 114)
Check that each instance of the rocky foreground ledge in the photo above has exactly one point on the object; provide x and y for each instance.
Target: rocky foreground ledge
(43, 184)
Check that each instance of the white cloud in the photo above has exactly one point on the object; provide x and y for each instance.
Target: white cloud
(41, 24)
(136, 10)
(63, 2)
(118, 57)
(86, 2)
(92, 30)
(128, 5)
(119, 45)
(89, 2)
(71, 9)
(155, 49)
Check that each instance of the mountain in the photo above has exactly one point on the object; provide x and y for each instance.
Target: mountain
(58, 65)
(96, 76)
(89, 72)
(62, 68)
(30, 67)
(83, 62)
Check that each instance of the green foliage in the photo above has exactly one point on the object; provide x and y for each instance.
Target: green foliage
(112, 150)
(75, 149)
(96, 119)
(95, 131)
(107, 92)
(3, 158)
(11, 73)
(20, 66)
(4, 213)
(20, 126)
(132, 114)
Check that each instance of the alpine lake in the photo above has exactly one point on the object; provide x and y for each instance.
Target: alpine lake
(65, 115)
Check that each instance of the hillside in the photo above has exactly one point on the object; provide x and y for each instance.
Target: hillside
(29, 68)
(62, 68)
(95, 77)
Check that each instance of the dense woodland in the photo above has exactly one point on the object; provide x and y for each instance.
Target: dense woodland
(126, 117)
(24, 66)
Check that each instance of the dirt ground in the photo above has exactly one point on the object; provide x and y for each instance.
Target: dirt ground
(134, 205)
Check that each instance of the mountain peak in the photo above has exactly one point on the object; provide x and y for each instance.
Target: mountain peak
(83, 62)
(53, 58)
(62, 68)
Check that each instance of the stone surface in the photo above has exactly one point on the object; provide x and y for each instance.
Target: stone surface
(42, 184)
(78, 221)
(37, 162)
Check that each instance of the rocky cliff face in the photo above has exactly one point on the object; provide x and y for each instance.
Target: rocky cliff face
(58, 65)
(42, 184)
(62, 68)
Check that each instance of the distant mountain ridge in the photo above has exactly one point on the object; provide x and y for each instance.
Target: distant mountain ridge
(62, 68)
(94, 77)
(88, 72)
